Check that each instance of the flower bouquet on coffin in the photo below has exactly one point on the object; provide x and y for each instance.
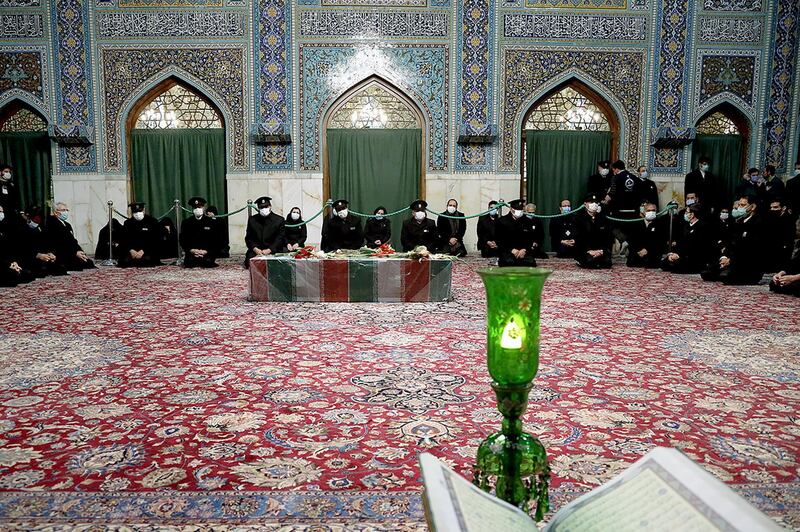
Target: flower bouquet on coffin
(308, 252)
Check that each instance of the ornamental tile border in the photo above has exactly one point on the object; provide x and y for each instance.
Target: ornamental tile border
(784, 68)
(153, 24)
(273, 83)
(474, 90)
(74, 88)
(527, 73)
(575, 27)
(328, 70)
(129, 72)
(373, 24)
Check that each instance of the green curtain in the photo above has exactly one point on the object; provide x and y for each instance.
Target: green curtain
(371, 167)
(725, 152)
(178, 163)
(29, 154)
(558, 164)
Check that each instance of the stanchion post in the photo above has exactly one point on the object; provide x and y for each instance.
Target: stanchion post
(177, 208)
(671, 220)
(110, 260)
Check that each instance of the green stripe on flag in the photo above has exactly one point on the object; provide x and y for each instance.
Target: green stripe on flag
(280, 275)
(441, 272)
(362, 280)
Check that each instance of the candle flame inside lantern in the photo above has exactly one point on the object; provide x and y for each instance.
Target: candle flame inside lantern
(513, 334)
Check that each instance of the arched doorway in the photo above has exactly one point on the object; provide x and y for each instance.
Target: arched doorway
(565, 133)
(373, 152)
(722, 136)
(176, 142)
(25, 145)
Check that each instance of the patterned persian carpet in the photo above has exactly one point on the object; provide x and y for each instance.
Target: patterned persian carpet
(164, 397)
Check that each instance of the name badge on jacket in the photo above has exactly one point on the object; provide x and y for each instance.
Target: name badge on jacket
(207, 228)
(5, 190)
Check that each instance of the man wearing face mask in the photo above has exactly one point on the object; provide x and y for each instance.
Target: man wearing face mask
(342, 230)
(779, 230)
(600, 182)
(593, 235)
(61, 241)
(770, 188)
(705, 184)
(9, 195)
(648, 240)
(451, 231)
(562, 231)
(743, 262)
(36, 254)
(722, 233)
(198, 237)
(378, 230)
(690, 253)
(680, 218)
(266, 231)
(487, 232)
(515, 237)
(537, 226)
(419, 230)
(747, 185)
(142, 232)
(12, 271)
(648, 191)
(295, 236)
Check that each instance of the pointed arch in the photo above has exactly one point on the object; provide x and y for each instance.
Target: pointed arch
(574, 81)
(15, 99)
(16, 105)
(732, 112)
(339, 103)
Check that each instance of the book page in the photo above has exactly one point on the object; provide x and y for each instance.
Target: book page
(646, 502)
(478, 511)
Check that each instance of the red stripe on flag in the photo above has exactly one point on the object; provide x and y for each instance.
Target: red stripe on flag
(259, 287)
(334, 280)
(416, 280)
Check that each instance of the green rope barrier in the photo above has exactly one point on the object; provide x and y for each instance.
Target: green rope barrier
(671, 205)
(559, 215)
(304, 222)
(404, 209)
(125, 216)
(232, 213)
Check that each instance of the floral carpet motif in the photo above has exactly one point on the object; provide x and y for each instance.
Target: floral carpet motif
(165, 397)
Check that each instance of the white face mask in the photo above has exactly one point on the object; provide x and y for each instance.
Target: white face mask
(2, 216)
(451, 209)
(644, 174)
(604, 172)
(797, 171)
(419, 215)
(6, 176)
(295, 215)
(138, 216)
(650, 216)
(198, 212)
(593, 207)
(379, 216)
(342, 214)
(264, 211)
(723, 216)
(704, 168)
(492, 212)
(691, 201)
(516, 213)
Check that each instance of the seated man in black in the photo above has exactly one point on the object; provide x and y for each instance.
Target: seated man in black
(295, 236)
(419, 230)
(721, 234)
(198, 238)
(451, 231)
(487, 228)
(36, 255)
(342, 230)
(779, 229)
(12, 271)
(168, 242)
(142, 235)
(743, 262)
(689, 254)
(537, 226)
(647, 240)
(787, 281)
(562, 232)
(61, 242)
(515, 237)
(265, 233)
(115, 233)
(593, 235)
(378, 229)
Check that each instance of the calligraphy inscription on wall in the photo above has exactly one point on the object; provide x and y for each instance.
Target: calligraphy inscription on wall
(732, 5)
(730, 29)
(171, 24)
(373, 23)
(575, 27)
(18, 25)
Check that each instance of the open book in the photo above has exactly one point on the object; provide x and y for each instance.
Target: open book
(664, 490)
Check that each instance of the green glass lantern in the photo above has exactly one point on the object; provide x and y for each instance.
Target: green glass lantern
(514, 461)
